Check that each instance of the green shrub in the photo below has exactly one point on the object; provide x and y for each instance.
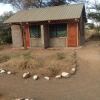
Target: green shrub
(4, 58)
(27, 55)
(5, 34)
(60, 55)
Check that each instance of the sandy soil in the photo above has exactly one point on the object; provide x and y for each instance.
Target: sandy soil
(85, 85)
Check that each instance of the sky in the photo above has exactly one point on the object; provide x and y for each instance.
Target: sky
(5, 8)
(8, 7)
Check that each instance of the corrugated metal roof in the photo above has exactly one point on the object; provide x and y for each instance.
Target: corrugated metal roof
(48, 13)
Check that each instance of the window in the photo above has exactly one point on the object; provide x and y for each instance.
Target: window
(58, 30)
(35, 31)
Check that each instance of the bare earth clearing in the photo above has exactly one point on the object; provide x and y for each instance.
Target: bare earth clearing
(85, 85)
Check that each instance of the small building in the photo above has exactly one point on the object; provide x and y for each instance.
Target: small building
(59, 26)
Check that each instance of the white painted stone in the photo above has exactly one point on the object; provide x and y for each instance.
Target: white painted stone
(58, 77)
(65, 74)
(35, 77)
(73, 70)
(26, 75)
(47, 78)
(9, 72)
(2, 71)
(23, 99)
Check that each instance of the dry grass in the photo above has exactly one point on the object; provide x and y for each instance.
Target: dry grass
(60, 55)
(89, 33)
(4, 58)
(41, 62)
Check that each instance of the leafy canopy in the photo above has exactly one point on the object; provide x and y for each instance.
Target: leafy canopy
(95, 15)
(25, 4)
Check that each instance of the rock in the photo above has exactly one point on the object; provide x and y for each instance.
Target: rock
(47, 78)
(73, 70)
(58, 77)
(26, 75)
(2, 71)
(35, 77)
(9, 72)
(23, 99)
(65, 74)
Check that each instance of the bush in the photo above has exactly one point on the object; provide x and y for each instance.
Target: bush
(53, 71)
(4, 58)
(23, 63)
(5, 34)
(27, 55)
(38, 62)
(60, 55)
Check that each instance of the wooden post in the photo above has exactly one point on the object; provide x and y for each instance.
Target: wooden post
(42, 36)
(24, 36)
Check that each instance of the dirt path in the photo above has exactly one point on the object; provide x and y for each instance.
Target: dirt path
(85, 85)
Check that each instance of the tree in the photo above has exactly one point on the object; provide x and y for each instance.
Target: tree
(5, 31)
(25, 4)
(57, 2)
(94, 15)
(6, 15)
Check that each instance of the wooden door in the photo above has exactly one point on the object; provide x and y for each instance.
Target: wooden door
(72, 34)
(27, 34)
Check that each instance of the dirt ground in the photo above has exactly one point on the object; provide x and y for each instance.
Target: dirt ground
(85, 85)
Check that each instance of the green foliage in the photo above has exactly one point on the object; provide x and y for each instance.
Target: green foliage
(4, 58)
(5, 35)
(95, 16)
(5, 31)
(56, 2)
(6, 15)
(91, 26)
(60, 55)
(27, 55)
(6, 38)
(25, 4)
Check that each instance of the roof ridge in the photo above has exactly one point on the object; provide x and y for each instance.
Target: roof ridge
(55, 6)
(51, 7)
(48, 13)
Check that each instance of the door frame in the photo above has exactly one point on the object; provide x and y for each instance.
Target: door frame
(76, 33)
